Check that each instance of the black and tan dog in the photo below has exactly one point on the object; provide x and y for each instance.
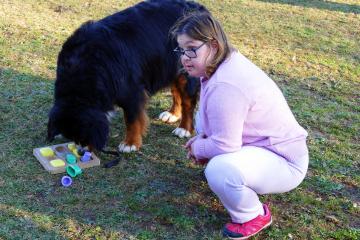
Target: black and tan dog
(121, 60)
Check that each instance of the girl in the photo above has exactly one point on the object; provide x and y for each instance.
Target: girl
(245, 127)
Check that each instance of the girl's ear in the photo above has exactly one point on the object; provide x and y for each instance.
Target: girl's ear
(214, 44)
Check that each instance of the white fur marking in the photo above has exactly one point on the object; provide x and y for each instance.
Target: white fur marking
(181, 133)
(59, 136)
(110, 115)
(168, 117)
(126, 148)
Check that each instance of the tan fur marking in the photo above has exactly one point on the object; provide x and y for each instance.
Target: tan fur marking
(136, 130)
(183, 103)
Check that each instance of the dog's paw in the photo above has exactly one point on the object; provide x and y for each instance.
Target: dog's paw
(168, 117)
(181, 132)
(126, 148)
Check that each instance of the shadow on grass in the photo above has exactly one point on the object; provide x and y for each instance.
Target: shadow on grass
(25, 100)
(320, 4)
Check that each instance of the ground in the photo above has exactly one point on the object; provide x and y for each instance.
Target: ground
(310, 48)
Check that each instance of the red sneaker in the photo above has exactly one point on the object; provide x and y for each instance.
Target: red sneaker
(250, 228)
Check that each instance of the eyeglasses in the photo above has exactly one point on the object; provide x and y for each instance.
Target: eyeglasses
(190, 53)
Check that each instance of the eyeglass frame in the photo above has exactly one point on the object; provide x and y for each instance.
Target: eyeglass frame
(182, 52)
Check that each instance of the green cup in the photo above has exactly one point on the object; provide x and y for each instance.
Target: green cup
(73, 170)
(70, 158)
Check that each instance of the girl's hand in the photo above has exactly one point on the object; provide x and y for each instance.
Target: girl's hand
(191, 140)
(201, 161)
(190, 154)
(196, 161)
(188, 144)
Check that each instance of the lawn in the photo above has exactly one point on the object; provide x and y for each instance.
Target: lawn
(310, 48)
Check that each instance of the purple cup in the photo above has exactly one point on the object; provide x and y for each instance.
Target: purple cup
(66, 181)
(86, 157)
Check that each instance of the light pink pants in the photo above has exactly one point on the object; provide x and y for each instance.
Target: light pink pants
(237, 178)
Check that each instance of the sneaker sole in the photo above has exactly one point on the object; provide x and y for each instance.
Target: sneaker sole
(241, 238)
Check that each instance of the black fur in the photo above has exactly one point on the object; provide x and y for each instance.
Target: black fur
(113, 61)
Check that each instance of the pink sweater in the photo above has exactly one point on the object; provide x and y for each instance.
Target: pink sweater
(241, 106)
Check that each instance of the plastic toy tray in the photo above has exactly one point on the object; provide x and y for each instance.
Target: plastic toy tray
(53, 158)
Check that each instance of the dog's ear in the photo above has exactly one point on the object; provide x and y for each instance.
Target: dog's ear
(52, 129)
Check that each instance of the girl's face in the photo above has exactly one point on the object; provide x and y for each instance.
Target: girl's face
(195, 55)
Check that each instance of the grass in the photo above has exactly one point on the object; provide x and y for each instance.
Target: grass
(310, 48)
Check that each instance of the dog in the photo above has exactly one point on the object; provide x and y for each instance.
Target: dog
(122, 60)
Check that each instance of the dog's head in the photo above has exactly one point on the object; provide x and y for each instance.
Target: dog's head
(85, 126)
(81, 102)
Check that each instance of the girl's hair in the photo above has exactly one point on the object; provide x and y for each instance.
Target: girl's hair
(204, 27)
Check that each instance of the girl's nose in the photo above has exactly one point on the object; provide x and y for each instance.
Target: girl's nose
(185, 58)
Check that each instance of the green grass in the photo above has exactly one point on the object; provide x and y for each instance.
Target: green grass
(310, 48)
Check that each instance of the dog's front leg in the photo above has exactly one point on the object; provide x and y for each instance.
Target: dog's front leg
(188, 94)
(135, 130)
(174, 114)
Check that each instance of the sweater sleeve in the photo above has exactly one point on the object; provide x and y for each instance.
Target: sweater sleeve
(226, 108)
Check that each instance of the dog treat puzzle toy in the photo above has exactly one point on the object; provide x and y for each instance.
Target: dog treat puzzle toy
(66, 157)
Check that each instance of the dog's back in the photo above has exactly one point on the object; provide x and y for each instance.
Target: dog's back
(131, 44)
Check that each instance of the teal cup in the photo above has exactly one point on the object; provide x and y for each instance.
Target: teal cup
(73, 170)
